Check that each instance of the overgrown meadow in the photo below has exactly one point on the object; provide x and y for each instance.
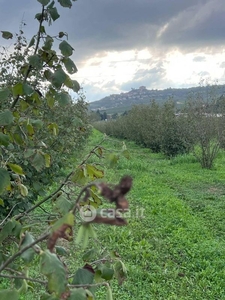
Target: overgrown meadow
(175, 248)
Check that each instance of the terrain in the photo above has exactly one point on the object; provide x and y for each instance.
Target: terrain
(119, 103)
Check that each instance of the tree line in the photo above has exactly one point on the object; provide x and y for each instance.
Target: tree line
(198, 128)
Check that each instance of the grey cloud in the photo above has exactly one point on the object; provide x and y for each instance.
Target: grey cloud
(98, 26)
(107, 25)
(204, 74)
(120, 24)
(152, 78)
(199, 59)
(199, 26)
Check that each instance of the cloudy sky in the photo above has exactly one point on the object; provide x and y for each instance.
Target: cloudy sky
(124, 44)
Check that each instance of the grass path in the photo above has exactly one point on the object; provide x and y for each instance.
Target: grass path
(177, 250)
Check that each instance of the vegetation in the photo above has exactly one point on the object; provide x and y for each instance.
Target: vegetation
(42, 133)
(197, 128)
(119, 103)
(174, 247)
(54, 180)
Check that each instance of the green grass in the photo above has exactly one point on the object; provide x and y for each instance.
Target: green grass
(176, 249)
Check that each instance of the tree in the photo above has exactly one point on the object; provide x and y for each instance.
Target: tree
(205, 130)
(41, 129)
(36, 132)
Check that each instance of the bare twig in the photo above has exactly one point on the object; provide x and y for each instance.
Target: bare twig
(89, 285)
(23, 277)
(45, 199)
(76, 205)
(11, 258)
(3, 221)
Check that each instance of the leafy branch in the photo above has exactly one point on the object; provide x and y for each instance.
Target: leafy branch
(35, 51)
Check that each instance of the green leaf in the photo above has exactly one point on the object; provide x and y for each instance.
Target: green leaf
(61, 251)
(76, 86)
(66, 219)
(28, 255)
(7, 35)
(61, 34)
(95, 197)
(69, 65)
(93, 172)
(63, 99)
(126, 154)
(58, 78)
(38, 16)
(4, 94)
(23, 189)
(48, 43)
(23, 105)
(16, 168)
(4, 179)
(35, 61)
(83, 276)
(2, 202)
(9, 295)
(30, 129)
(17, 89)
(106, 273)
(44, 2)
(53, 13)
(79, 176)
(24, 69)
(18, 139)
(69, 82)
(65, 48)
(63, 205)
(109, 295)
(85, 231)
(17, 229)
(51, 5)
(120, 271)
(28, 153)
(38, 161)
(47, 160)
(54, 128)
(27, 89)
(113, 159)
(54, 269)
(89, 254)
(6, 118)
(77, 294)
(37, 123)
(50, 100)
(4, 139)
(42, 29)
(32, 41)
(82, 236)
(48, 75)
(48, 297)
(65, 3)
(7, 230)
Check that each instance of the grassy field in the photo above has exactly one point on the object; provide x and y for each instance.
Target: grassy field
(174, 244)
(176, 250)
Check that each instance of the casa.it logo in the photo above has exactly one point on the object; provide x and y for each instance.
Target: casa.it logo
(87, 213)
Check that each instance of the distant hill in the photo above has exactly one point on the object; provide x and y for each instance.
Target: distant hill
(118, 103)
